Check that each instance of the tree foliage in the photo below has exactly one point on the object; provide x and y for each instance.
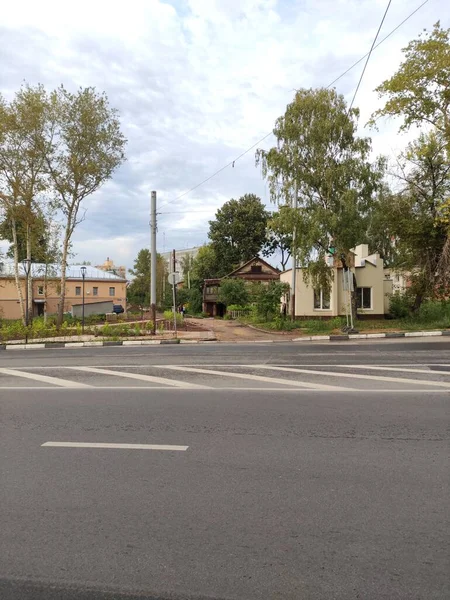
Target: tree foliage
(279, 235)
(267, 298)
(238, 233)
(84, 147)
(320, 157)
(414, 218)
(22, 172)
(420, 90)
(139, 288)
(204, 265)
(233, 291)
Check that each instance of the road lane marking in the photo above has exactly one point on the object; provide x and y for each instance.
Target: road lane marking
(44, 378)
(150, 378)
(425, 370)
(354, 376)
(317, 386)
(133, 388)
(119, 446)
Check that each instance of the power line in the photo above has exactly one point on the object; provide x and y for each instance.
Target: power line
(369, 55)
(374, 47)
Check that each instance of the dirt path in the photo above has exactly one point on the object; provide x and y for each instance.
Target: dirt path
(232, 331)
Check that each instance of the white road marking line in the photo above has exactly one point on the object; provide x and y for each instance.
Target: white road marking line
(44, 378)
(150, 378)
(426, 369)
(120, 446)
(95, 389)
(355, 376)
(318, 386)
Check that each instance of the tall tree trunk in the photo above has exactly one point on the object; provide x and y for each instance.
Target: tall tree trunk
(45, 292)
(16, 269)
(30, 277)
(62, 295)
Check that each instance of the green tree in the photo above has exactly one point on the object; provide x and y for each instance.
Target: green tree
(204, 265)
(320, 158)
(139, 288)
(267, 299)
(33, 226)
(420, 90)
(279, 235)
(23, 173)
(85, 146)
(187, 263)
(414, 217)
(238, 232)
(233, 291)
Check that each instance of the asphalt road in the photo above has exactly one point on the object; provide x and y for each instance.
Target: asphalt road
(316, 471)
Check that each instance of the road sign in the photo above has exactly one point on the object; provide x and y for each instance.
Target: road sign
(174, 278)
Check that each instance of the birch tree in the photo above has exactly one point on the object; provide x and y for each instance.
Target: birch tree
(85, 147)
(22, 171)
(320, 156)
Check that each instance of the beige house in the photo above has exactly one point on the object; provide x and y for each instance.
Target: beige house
(372, 289)
(99, 286)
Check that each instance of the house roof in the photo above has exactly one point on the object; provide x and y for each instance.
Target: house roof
(54, 272)
(259, 259)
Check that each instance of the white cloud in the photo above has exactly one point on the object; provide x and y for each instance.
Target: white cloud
(197, 82)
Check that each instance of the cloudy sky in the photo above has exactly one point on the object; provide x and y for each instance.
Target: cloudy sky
(198, 82)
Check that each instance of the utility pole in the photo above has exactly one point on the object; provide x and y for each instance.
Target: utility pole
(153, 261)
(174, 291)
(294, 255)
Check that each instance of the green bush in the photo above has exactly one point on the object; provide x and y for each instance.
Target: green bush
(434, 312)
(149, 326)
(245, 307)
(195, 300)
(400, 305)
(268, 299)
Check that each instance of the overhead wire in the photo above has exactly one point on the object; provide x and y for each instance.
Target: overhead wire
(367, 55)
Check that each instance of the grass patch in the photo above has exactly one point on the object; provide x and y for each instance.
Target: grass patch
(431, 316)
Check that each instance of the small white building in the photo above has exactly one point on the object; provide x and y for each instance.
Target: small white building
(372, 288)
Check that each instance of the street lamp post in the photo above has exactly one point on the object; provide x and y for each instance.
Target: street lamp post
(26, 267)
(83, 275)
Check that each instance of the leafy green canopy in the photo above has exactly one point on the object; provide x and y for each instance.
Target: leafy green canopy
(238, 233)
(420, 90)
(320, 158)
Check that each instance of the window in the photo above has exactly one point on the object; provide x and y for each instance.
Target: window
(95, 291)
(78, 291)
(212, 289)
(256, 269)
(321, 299)
(40, 290)
(112, 291)
(364, 297)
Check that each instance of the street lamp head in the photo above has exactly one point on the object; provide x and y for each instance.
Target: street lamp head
(83, 271)
(26, 263)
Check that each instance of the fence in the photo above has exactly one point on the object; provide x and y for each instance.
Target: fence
(237, 314)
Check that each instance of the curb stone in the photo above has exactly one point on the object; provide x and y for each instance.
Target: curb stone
(313, 338)
(371, 336)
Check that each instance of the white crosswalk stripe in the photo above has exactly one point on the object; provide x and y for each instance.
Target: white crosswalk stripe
(355, 376)
(272, 380)
(44, 378)
(260, 377)
(139, 377)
